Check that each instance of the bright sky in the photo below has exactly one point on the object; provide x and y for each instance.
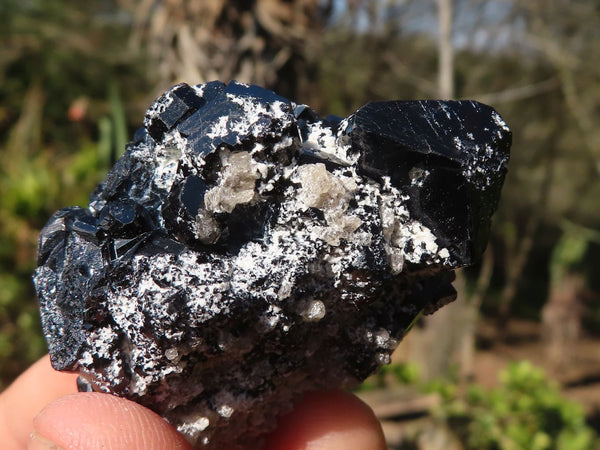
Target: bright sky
(478, 23)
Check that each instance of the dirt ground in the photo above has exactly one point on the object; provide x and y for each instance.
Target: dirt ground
(578, 373)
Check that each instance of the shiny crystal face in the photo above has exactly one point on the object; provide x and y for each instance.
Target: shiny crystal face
(245, 250)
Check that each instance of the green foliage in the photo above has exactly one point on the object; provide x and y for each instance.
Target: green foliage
(568, 252)
(396, 373)
(55, 54)
(527, 411)
(28, 195)
(118, 122)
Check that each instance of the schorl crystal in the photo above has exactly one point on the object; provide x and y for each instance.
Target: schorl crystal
(244, 250)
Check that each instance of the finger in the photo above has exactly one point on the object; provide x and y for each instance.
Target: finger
(91, 421)
(22, 400)
(329, 421)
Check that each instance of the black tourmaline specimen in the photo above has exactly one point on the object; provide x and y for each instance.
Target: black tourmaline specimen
(245, 250)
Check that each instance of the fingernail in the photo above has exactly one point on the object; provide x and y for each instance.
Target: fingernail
(39, 442)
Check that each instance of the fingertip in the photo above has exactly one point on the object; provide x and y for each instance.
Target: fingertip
(329, 421)
(23, 399)
(98, 421)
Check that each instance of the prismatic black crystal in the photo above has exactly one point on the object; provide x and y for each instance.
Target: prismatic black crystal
(244, 250)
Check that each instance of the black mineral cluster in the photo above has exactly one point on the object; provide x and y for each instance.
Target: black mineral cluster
(245, 250)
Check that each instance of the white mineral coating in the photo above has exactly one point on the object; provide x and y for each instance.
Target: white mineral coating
(206, 228)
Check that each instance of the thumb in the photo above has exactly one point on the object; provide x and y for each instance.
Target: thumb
(90, 421)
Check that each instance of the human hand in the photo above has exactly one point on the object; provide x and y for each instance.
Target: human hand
(90, 421)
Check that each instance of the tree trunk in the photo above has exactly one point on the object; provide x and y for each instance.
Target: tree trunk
(445, 50)
(446, 338)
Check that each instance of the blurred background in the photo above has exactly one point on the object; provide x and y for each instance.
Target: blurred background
(515, 362)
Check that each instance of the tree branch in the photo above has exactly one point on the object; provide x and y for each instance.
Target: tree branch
(518, 93)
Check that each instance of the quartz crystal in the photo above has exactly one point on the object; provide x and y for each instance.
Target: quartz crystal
(245, 250)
